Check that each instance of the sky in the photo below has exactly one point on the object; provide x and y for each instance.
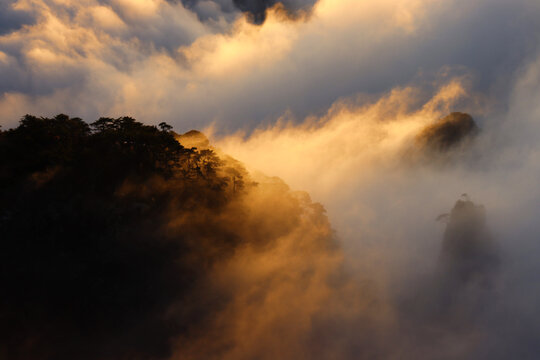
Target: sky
(329, 96)
(208, 63)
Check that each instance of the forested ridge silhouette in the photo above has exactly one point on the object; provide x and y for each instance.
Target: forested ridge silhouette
(89, 262)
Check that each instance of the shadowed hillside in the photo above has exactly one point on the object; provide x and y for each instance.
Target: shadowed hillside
(110, 231)
(87, 255)
(127, 241)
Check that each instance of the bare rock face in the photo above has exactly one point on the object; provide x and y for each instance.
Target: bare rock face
(468, 251)
(445, 141)
(458, 300)
(447, 132)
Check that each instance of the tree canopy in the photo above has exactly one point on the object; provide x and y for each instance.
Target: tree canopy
(88, 256)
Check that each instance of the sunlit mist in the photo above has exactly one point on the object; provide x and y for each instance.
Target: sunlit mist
(264, 179)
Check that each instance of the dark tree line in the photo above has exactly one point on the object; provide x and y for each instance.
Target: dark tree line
(89, 264)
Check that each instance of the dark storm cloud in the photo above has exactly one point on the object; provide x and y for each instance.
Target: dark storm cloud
(211, 9)
(256, 9)
(12, 19)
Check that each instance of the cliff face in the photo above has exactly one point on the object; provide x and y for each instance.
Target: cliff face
(445, 141)
(468, 251)
(447, 132)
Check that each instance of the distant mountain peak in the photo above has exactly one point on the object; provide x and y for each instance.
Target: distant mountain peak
(194, 138)
(448, 132)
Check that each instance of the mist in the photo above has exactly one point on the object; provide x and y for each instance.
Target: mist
(384, 191)
(361, 183)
